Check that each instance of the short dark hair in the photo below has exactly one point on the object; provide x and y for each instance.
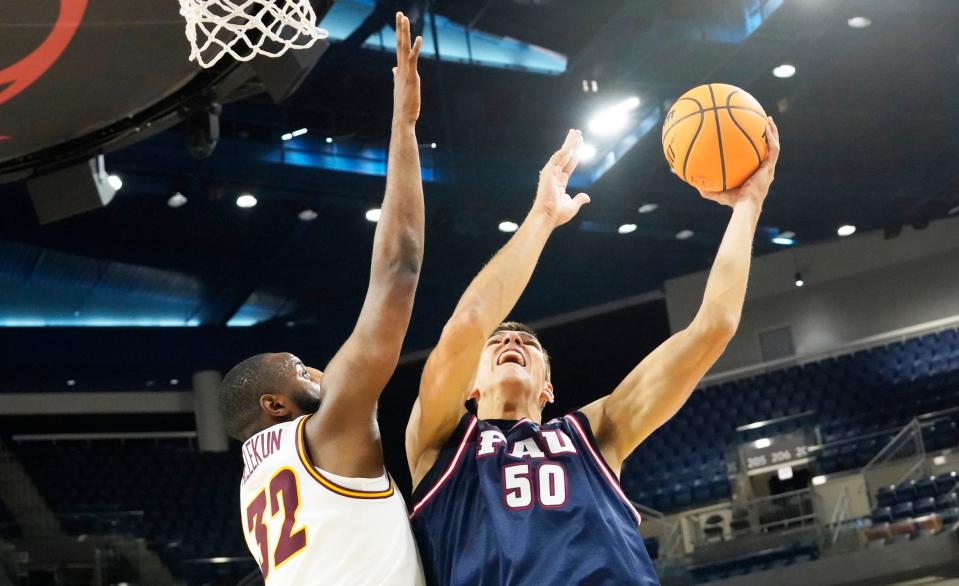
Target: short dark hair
(515, 326)
(242, 388)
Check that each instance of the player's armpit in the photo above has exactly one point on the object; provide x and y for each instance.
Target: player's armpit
(446, 376)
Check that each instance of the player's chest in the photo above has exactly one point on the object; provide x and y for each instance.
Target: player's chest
(520, 471)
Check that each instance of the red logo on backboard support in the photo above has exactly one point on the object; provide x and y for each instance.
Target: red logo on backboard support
(24, 73)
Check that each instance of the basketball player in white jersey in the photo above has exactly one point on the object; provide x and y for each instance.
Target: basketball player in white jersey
(317, 505)
(501, 497)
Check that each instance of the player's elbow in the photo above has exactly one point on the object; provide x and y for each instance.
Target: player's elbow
(717, 328)
(401, 255)
(466, 322)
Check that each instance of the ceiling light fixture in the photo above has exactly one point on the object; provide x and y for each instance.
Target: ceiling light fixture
(373, 215)
(507, 226)
(799, 280)
(627, 228)
(176, 200)
(614, 119)
(858, 22)
(684, 234)
(846, 230)
(307, 215)
(246, 201)
(587, 152)
(115, 182)
(784, 71)
(648, 207)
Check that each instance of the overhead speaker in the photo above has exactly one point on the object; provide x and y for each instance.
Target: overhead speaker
(71, 191)
(281, 76)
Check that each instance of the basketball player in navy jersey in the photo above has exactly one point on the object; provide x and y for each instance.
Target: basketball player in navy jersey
(502, 498)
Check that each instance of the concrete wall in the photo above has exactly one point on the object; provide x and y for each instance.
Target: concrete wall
(100, 403)
(855, 288)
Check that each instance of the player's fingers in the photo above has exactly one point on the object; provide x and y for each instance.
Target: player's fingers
(573, 161)
(580, 200)
(565, 152)
(402, 38)
(415, 55)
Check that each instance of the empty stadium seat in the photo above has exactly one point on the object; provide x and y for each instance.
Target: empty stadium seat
(874, 391)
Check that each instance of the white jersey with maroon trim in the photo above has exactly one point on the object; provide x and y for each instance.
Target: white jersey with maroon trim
(306, 526)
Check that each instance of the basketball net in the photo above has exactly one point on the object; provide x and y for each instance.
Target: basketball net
(244, 29)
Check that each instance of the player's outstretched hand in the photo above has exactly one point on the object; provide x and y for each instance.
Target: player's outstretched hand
(756, 187)
(406, 80)
(551, 196)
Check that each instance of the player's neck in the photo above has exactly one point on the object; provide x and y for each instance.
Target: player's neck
(502, 408)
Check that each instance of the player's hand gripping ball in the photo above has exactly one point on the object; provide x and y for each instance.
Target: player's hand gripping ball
(714, 137)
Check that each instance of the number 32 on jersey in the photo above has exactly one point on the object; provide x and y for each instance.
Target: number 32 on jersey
(283, 495)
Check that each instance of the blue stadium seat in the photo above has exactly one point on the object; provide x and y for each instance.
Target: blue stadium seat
(902, 511)
(925, 506)
(946, 481)
(926, 487)
(882, 515)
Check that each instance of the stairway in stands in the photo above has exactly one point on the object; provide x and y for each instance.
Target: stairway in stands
(39, 524)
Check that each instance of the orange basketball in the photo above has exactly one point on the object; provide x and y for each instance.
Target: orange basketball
(714, 137)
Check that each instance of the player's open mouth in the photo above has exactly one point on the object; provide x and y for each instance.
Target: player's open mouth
(514, 356)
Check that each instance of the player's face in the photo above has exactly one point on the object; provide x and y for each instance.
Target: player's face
(515, 360)
(305, 390)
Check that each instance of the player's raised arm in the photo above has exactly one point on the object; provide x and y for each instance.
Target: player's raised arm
(486, 302)
(343, 435)
(655, 390)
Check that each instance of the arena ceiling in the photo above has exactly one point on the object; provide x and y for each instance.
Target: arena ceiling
(869, 125)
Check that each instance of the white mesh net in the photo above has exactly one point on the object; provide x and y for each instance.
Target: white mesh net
(244, 29)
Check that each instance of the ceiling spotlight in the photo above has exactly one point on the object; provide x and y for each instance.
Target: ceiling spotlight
(307, 215)
(763, 442)
(648, 207)
(174, 382)
(818, 480)
(953, 211)
(329, 140)
(612, 120)
(115, 182)
(373, 215)
(627, 228)
(286, 137)
(246, 201)
(587, 152)
(784, 71)
(508, 226)
(684, 234)
(788, 234)
(299, 132)
(846, 230)
(432, 145)
(783, 241)
(858, 22)
(290, 324)
(71, 383)
(799, 280)
(176, 200)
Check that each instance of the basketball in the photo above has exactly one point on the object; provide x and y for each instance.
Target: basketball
(714, 137)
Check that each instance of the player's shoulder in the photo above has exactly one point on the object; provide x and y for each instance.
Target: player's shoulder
(276, 442)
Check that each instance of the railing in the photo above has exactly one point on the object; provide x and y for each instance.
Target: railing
(782, 513)
(902, 459)
(671, 544)
(134, 435)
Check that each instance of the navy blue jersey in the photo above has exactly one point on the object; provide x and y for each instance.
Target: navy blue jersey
(522, 503)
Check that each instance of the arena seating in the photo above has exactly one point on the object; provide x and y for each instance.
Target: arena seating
(9, 529)
(186, 504)
(935, 494)
(859, 401)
